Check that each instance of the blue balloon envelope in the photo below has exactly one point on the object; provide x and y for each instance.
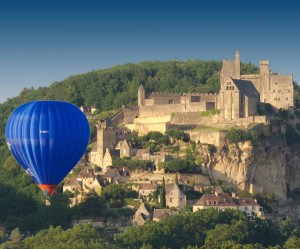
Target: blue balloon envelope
(47, 138)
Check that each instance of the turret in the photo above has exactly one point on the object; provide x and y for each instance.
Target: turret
(264, 67)
(141, 96)
(237, 65)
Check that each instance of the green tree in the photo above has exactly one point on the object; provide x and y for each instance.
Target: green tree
(292, 243)
(163, 194)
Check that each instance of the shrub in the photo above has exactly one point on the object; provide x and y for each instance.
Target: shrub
(235, 135)
(211, 112)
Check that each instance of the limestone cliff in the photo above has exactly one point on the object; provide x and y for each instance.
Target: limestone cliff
(268, 165)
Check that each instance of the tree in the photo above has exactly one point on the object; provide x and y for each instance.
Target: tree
(163, 194)
(292, 243)
(15, 239)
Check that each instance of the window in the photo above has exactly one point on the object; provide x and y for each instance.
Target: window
(273, 91)
(276, 83)
(279, 91)
(275, 98)
(287, 98)
(171, 199)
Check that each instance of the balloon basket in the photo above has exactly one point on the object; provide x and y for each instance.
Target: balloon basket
(48, 202)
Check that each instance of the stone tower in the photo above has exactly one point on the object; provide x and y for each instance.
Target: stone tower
(231, 68)
(141, 96)
(237, 65)
(264, 83)
(106, 138)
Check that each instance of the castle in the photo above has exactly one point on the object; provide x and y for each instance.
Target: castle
(237, 100)
(238, 97)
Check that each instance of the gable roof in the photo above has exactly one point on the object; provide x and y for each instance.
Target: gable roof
(215, 200)
(246, 87)
(111, 172)
(147, 186)
(72, 182)
(246, 202)
(161, 213)
(143, 209)
(141, 152)
(170, 187)
(87, 173)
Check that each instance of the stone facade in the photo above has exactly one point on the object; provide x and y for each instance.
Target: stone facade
(175, 197)
(238, 97)
(273, 88)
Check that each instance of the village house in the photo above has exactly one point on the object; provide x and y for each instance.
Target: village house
(112, 175)
(125, 148)
(72, 185)
(88, 110)
(161, 213)
(142, 215)
(175, 197)
(158, 158)
(143, 154)
(145, 189)
(222, 201)
(86, 182)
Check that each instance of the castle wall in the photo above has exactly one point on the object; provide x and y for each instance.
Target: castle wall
(281, 91)
(256, 80)
(193, 118)
(130, 113)
(216, 138)
(163, 98)
(207, 101)
(144, 128)
(117, 119)
(274, 89)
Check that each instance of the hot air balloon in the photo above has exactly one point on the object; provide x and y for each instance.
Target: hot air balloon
(47, 138)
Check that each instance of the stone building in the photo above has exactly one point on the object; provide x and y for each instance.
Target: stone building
(273, 88)
(222, 201)
(239, 95)
(175, 197)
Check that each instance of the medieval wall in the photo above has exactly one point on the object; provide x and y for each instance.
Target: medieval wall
(207, 101)
(144, 128)
(273, 88)
(163, 98)
(193, 118)
(216, 138)
(130, 113)
(280, 93)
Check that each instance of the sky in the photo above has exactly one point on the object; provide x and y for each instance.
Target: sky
(47, 41)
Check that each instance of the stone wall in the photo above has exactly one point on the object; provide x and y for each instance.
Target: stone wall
(281, 93)
(191, 118)
(130, 113)
(143, 129)
(216, 138)
(118, 118)
(151, 111)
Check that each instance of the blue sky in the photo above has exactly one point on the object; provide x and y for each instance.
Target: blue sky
(45, 42)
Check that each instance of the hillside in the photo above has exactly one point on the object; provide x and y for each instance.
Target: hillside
(108, 89)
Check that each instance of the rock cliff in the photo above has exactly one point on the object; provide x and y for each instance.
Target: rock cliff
(268, 166)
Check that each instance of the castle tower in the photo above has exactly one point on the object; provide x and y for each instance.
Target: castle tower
(237, 65)
(264, 67)
(141, 96)
(231, 68)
